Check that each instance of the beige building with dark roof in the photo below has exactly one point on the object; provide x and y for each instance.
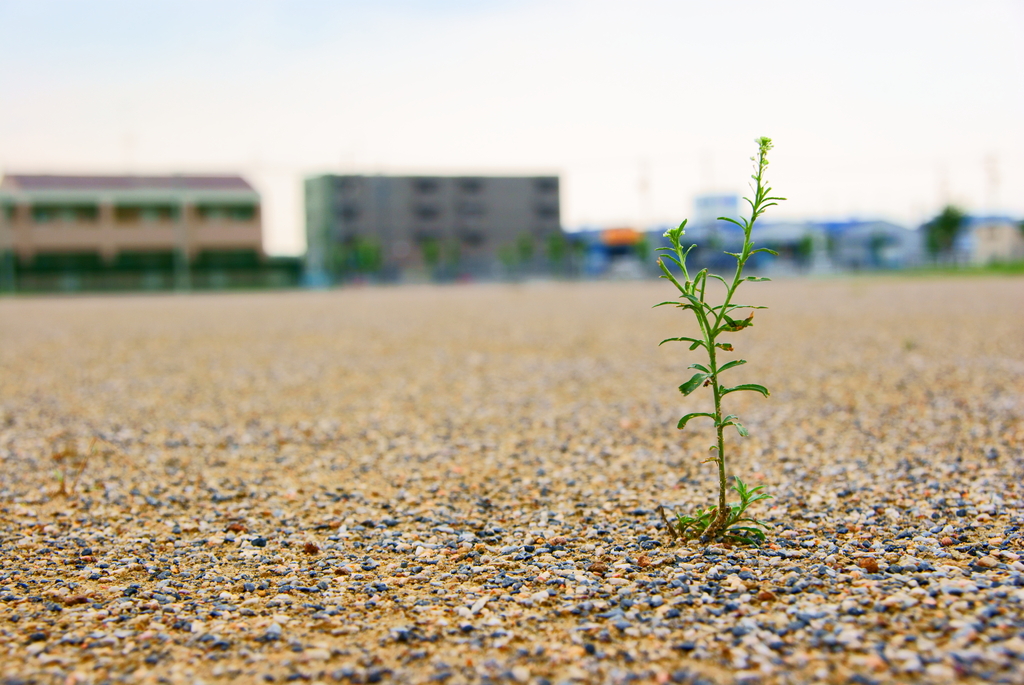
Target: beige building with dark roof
(111, 215)
(152, 224)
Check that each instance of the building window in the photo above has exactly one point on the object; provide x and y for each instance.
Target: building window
(343, 235)
(471, 209)
(546, 185)
(56, 262)
(208, 260)
(426, 186)
(425, 236)
(426, 212)
(471, 185)
(344, 184)
(471, 238)
(159, 260)
(349, 212)
(226, 212)
(547, 211)
(133, 214)
(45, 214)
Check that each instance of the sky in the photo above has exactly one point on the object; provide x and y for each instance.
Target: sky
(878, 109)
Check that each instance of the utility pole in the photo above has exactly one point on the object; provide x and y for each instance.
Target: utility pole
(992, 185)
(644, 193)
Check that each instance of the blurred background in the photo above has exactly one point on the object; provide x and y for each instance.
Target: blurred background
(191, 145)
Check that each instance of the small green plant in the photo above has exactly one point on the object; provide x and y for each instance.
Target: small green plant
(723, 521)
(71, 464)
(737, 527)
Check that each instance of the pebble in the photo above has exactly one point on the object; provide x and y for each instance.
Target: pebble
(460, 484)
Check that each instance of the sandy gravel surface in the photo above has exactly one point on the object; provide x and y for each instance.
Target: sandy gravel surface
(458, 485)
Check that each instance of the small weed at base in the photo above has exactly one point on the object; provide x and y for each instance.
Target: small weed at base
(737, 528)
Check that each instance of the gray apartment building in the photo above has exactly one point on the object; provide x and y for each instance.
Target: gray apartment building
(428, 225)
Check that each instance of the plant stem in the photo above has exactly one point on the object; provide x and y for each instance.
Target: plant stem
(721, 518)
(711, 335)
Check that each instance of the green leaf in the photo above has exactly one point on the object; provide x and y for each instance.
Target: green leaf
(756, 279)
(700, 367)
(692, 384)
(748, 496)
(747, 386)
(749, 536)
(695, 301)
(740, 539)
(725, 346)
(765, 249)
(753, 495)
(683, 421)
(719, 278)
(679, 339)
(732, 325)
(732, 221)
(668, 256)
(734, 363)
(733, 420)
(668, 274)
(667, 301)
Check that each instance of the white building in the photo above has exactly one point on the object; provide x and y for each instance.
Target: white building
(991, 241)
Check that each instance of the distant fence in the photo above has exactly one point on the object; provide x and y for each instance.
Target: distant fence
(274, 272)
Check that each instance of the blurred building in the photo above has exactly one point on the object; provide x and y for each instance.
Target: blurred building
(866, 244)
(127, 232)
(620, 253)
(431, 226)
(804, 246)
(707, 208)
(991, 240)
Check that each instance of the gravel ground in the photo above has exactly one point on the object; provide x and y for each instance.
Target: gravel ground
(459, 485)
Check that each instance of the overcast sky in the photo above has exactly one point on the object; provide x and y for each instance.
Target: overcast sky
(878, 109)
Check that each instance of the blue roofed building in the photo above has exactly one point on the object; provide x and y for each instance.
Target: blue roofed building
(872, 244)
